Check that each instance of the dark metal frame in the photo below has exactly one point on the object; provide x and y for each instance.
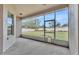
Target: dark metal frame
(45, 28)
(55, 25)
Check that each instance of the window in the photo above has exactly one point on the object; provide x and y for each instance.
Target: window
(51, 27)
(49, 16)
(33, 27)
(10, 24)
(62, 24)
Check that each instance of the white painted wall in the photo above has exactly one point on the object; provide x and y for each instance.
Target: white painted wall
(18, 27)
(12, 38)
(73, 28)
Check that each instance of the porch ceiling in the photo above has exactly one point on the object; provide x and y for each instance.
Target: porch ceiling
(30, 9)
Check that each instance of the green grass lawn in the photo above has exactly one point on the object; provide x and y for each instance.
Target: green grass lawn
(59, 35)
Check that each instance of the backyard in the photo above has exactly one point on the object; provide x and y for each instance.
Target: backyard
(59, 35)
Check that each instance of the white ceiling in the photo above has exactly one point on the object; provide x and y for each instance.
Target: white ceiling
(27, 9)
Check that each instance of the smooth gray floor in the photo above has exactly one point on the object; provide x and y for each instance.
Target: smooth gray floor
(30, 47)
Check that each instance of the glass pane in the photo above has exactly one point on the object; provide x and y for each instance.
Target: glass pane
(49, 30)
(62, 24)
(49, 16)
(33, 27)
(10, 24)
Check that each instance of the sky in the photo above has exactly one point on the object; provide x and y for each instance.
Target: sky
(9, 21)
(61, 16)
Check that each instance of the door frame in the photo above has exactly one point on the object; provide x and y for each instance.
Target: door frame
(52, 40)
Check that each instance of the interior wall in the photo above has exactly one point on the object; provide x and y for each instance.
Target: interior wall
(73, 28)
(12, 38)
(18, 27)
(1, 28)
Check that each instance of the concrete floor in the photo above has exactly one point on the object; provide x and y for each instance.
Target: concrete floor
(31, 47)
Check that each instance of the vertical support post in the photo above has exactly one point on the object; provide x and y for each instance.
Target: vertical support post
(54, 26)
(44, 27)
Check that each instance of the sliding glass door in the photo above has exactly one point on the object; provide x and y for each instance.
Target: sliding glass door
(49, 31)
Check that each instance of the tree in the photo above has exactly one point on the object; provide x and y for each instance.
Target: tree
(58, 25)
(33, 24)
(37, 23)
(51, 24)
(64, 25)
